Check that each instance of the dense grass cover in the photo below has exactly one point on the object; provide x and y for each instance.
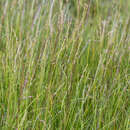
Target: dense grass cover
(64, 64)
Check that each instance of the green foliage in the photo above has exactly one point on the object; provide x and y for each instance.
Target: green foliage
(64, 65)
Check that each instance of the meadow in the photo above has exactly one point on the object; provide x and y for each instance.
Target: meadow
(64, 64)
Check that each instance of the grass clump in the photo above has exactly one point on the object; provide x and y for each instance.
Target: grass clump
(64, 64)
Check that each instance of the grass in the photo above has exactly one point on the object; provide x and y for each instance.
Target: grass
(64, 65)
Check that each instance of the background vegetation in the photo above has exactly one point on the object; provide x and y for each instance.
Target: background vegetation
(64, 64)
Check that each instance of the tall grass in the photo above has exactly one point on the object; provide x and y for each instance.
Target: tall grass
(64, 65)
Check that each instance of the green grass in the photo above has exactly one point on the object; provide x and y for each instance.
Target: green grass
(64, 65)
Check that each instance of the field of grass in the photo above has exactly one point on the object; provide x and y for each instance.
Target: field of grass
(64, 64)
